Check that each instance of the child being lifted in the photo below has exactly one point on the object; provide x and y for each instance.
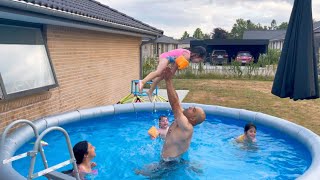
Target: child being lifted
(179, 58)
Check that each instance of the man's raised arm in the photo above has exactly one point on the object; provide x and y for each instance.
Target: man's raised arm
(174, 101)
(173, 96)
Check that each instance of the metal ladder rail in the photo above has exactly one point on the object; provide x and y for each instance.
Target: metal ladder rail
(17, 157)
(48, 170)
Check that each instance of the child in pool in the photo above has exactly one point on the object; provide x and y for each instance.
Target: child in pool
(249, 135)
(195, 55)
(163, 126)
(162, 130)
(84, 152)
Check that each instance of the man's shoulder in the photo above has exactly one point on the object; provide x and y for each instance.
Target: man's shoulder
(187, 125)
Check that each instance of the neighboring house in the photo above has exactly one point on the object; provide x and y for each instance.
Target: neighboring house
(185, 43)
(154, 47)
(59, 56)
(276, 37)
(271, 35)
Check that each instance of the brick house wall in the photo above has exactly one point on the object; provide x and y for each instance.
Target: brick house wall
(92, 68)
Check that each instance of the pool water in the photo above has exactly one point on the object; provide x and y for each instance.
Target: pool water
(123, 147)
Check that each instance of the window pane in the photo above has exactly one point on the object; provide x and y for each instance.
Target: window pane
(20, 35)
(24, 67)
(24, 63)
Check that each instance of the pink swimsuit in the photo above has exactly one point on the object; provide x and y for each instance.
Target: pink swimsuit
(173, 54)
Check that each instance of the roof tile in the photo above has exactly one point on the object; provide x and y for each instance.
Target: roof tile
(92, 9)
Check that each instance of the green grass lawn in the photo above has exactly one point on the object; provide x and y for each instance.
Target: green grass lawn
(251, 95)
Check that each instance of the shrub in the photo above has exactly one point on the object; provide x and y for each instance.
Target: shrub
(149, 65)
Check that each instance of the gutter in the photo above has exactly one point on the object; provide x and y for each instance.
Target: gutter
(67, 15)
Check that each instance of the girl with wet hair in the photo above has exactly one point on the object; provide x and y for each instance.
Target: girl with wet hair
(84, 152)
(249, 135)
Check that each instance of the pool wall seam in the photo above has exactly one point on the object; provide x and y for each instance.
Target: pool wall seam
(25, 133)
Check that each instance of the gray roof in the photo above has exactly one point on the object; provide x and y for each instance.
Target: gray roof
(316, 26)
(187, 40)
(273, 34)
(163, 39)
(229, 42)
(266, 34)
(167, 40)
(144, 39)
(281, 36)
(89, 9)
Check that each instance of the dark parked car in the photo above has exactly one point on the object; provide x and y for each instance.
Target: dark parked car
(208, 59)
(244, 57)
(219, 57)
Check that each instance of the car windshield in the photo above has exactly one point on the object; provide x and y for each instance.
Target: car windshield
(244, 54)
(219, 52)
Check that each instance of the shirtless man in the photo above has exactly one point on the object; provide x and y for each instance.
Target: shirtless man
(180, 131)
(177, 140)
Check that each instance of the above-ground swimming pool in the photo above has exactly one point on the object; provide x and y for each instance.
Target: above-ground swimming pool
(123, 146)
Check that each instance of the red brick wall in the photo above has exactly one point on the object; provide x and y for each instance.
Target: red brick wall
(92, 68)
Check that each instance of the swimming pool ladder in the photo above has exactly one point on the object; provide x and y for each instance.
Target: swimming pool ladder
(136, 97)
(38, 148)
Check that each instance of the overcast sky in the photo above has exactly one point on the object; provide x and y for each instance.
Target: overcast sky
(176, 16)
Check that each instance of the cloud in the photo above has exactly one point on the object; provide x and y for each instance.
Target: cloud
(175, 17)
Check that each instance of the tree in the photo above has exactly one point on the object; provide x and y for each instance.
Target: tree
(251, 26)
(198, 34)
(260, 27)
(273, 25)
(206, 36)
(242, 25)
(219, 33)
(238, 28)
(185, 35)
(283, 26)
